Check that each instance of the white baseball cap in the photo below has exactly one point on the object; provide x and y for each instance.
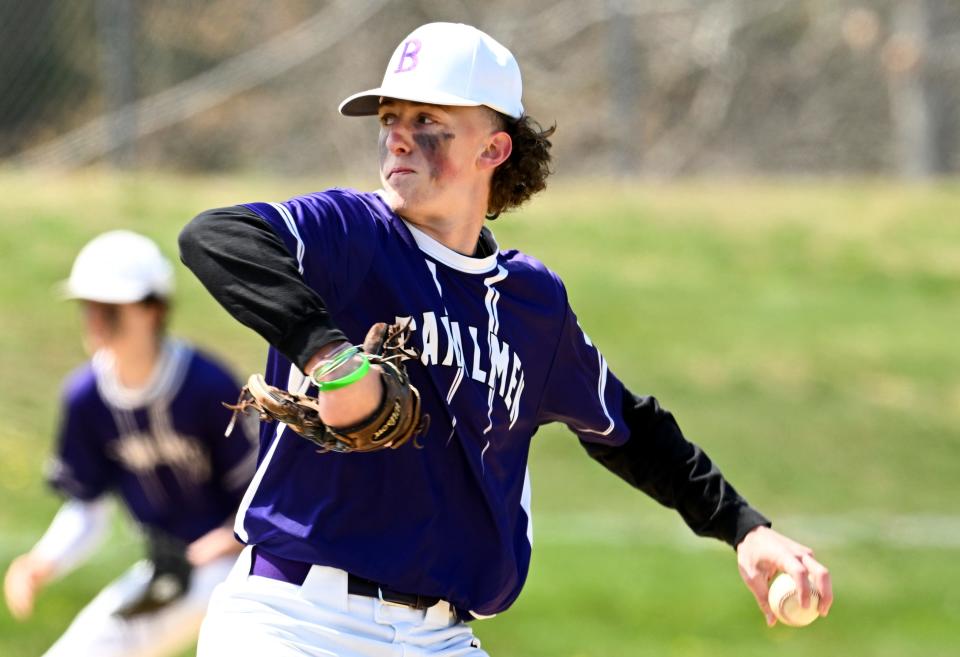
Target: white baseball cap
(446, 64)
(119, 267)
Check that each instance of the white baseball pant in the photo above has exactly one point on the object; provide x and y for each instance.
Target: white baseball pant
(97, 632)
(253, 616)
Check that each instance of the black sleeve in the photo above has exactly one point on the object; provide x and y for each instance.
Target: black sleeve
(245, 265)
(658, 460)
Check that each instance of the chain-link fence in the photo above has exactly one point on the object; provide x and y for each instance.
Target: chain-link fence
(665, 88)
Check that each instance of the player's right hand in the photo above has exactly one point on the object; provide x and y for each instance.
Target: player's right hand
(763, 552)
(25, 577)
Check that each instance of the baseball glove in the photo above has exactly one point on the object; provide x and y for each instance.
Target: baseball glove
(395, 422)
(169, 577)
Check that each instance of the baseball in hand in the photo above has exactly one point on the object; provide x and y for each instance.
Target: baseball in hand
(785, 602)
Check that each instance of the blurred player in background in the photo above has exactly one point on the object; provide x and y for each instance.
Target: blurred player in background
(143, 419)
(392, 552)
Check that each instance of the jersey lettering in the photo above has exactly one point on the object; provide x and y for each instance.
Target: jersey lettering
(430, 339)
(142, 453)
(478, 374)
(499, 362)
(504, 369)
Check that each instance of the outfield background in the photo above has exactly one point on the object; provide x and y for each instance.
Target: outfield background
(804, 333)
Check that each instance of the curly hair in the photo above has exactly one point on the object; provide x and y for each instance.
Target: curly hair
(525, 172)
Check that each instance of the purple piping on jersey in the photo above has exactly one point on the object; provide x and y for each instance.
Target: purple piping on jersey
(264, 564)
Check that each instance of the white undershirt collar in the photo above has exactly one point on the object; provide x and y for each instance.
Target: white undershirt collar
(448, 256)
(165, 379)
(451, 258)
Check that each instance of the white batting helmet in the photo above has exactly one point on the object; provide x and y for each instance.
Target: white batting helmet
(119, 266)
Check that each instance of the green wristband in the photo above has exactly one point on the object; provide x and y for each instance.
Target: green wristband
(343, 382)
(334, 363)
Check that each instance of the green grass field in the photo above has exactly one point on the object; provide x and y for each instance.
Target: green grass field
(804, 333)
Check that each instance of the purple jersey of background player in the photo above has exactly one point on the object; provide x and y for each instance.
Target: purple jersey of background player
(162, 449)
(501, 354)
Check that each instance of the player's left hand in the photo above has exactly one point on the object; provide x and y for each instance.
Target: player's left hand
(381, 410)
(764, 552)
(216, 543)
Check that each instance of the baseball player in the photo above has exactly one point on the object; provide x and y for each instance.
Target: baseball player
(142, 419)
(355, 550)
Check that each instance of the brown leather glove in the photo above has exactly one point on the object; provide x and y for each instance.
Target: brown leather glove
(395, 422)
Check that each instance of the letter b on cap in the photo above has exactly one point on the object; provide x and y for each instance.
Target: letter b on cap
(408, 58)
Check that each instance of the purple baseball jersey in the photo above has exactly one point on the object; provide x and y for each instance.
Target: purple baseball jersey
(502, 354)
(161, 448)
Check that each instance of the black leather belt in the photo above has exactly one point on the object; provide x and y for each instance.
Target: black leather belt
(360, 586)
(265, 564)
